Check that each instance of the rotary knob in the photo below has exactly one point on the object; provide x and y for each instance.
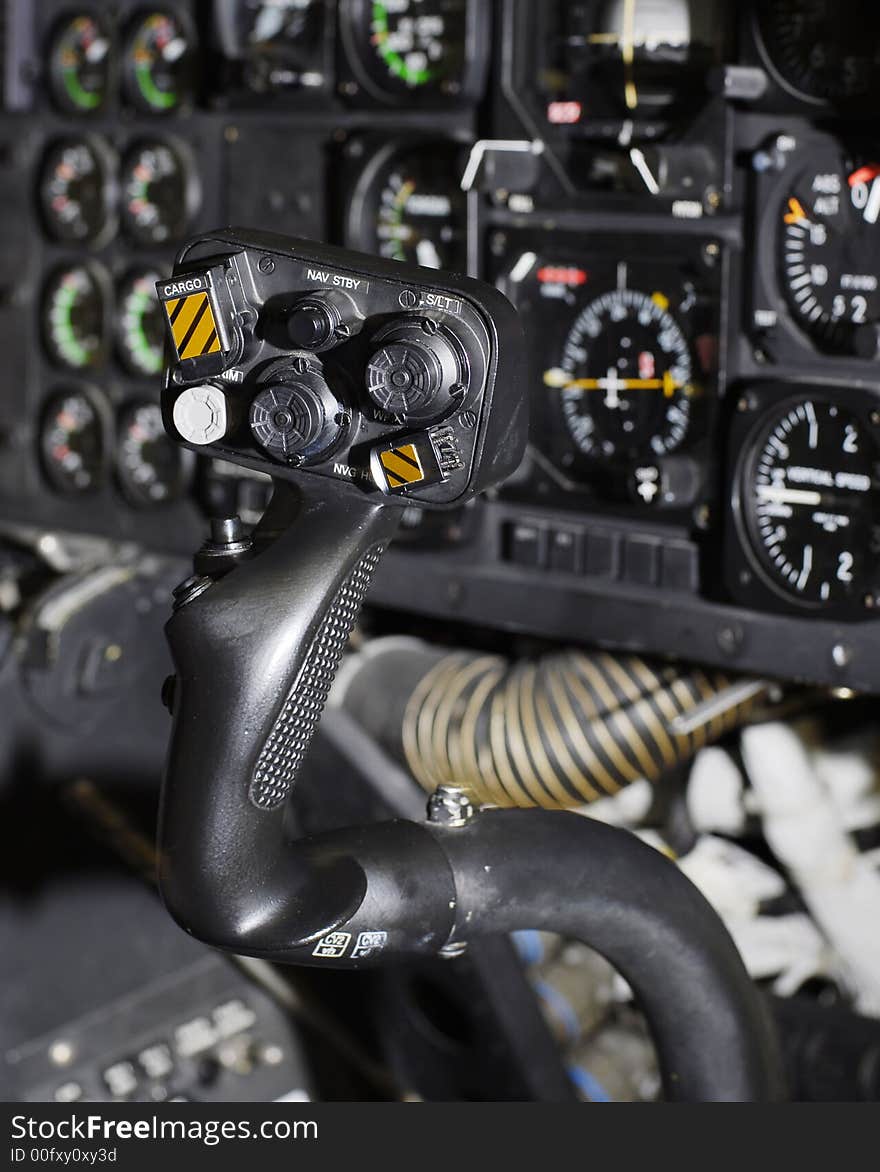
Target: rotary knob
(323, 320)
(415, 374)
(294, 416)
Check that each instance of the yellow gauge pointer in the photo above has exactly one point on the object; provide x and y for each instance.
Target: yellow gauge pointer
(795, 213)
(559, 379)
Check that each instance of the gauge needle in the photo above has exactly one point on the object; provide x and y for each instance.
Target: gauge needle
(560, 380)
(795, 213)
(788, 496)
(872, 207)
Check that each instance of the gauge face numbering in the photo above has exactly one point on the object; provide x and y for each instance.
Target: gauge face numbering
(809, 498)
(150, 466)
(74, 316)
(72, 442)
(141, 324)
(158, 192)
(824, 51)
(410, 208)
(625, 377)
(408, 46)
(158, 63)
(830, 253)
(75, 191)
(79, 64)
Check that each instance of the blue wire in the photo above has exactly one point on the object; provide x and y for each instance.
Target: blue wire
(588, 1085)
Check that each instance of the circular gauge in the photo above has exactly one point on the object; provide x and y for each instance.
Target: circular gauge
(824, 51)
(631, 60)
(79, 64)
(76, 192)
(158, 63)
(809, 498)
(159, 192)
(408, 46)
(279, 44)
(830, 251)
(625, 377)
(72, 442)
(151, 468)
(74, 316)
(408, 206)
(141, 327)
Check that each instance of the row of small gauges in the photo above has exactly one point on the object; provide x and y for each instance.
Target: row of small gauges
(86, 190)
(78, 328)
(418, 48)
(81, 435)
(590, 62)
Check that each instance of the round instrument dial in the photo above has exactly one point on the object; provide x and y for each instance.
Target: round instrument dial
(79, 64)
(76, 191)
(72, 442)
(808, 494)
(151, 468)
(408, 207)
(158, 63)
(407, 46)
(825, 51)
(625, 378)
(141, 324)
(159, 192)
(830, 252)
(74, 316)
(278, 44)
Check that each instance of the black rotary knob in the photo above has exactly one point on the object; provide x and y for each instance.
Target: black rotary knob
(412, 376)
(286, 420)
(295, 416)
(323, 320)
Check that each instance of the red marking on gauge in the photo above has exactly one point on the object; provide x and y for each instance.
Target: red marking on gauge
(864, 174)
(561, 275)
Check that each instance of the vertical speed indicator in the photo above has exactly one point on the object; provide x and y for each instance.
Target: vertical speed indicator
(809, 498)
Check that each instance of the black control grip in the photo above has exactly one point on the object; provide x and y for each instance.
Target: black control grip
(256, 653)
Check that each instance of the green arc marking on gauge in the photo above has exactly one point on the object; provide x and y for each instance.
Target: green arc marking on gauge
(69, 346)
(80, 97)
(392, 59)
(145, 356)
(157, 98)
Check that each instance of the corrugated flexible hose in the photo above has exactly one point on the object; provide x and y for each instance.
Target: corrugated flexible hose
(558, 731)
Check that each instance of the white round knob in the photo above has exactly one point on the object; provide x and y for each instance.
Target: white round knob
(200, 414)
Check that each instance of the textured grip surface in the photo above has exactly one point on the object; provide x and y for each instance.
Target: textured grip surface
(291, 735)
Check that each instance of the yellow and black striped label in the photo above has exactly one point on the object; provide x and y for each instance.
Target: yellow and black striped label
(402, 466)
(193, 327)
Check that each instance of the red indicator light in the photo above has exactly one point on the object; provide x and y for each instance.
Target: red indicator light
(561, 275)
(564, 113)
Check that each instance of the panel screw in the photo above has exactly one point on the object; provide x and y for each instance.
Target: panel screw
(301, 365)
(408, 299)
(729, 638)
(450, 806)
(267, 264)
(468, 419)
(429, 326)
(61, 1053)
